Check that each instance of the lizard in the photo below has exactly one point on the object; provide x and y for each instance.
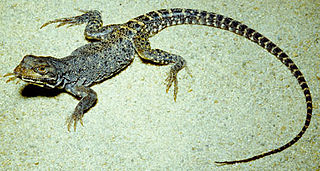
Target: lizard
(112, 48)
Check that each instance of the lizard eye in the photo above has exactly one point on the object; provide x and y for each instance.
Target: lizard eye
(41, 69)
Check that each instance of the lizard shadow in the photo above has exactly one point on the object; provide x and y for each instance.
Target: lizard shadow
(31, 90)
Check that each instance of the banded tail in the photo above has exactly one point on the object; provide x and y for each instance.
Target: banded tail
(153, 22)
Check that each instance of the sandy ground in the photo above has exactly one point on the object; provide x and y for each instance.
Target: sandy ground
(241, 100)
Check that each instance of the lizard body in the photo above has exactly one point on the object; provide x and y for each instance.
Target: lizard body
(112, 48)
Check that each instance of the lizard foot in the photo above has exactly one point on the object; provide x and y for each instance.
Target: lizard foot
(73, 119)
(77, 20)
(172, 78)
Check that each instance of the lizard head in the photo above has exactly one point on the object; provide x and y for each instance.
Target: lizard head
(37, 70)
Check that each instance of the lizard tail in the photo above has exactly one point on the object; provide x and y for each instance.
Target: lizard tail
(155, 21)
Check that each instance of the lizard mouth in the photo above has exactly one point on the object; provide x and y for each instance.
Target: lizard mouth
(28, 75)
(26, 79)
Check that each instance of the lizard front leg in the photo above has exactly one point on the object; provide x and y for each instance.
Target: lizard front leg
(87, 96)
(93, 18)
(94, 29)
(164, 58)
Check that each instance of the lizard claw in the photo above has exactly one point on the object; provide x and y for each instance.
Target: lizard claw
(63, 21)
(73, 119)
(81, 10)
(188, 71)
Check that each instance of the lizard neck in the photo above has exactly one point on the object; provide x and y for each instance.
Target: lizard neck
(61, 70)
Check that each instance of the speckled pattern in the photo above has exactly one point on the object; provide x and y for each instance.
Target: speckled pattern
(202, 135)
(113, 50)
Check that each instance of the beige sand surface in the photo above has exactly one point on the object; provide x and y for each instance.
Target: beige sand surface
(241, 100)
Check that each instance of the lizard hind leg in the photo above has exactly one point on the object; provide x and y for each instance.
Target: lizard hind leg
(164, 58)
